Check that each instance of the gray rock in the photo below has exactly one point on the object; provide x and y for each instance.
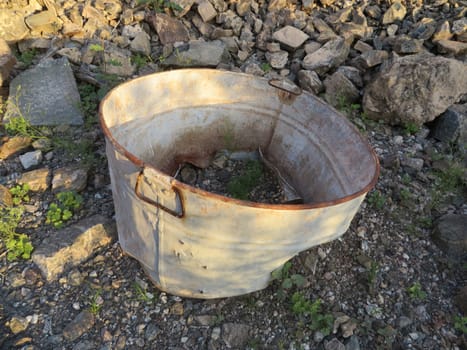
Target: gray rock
(70, 178)
(235, 335)
(450, 235)
(169, 30)
(370, 59)
(290, 37)
(333, 344)
(330, 55)
(362, 46)
(309, 81)
(199, 54)
(18, 324)
(404, 44)
(451, 126)
(452, 47)
(72, 53)
(443, 32)
(72, 246)
(79, 325)
(424, 29)
(12, 26)
(415, 89)
(459, 26)
(38, 180)
(358, 30)
(207, 11)
(412, 163)
(403, 322)
(353, 74)
(278, 59)
(14, 146)
(6, 200)
(396, 12)
(339, 88)
(185, 6)
(231, 21)
(7, 61)
(151, 332)
(31, 159)
(43, 23)
(243, 6)
(84, 345)
(276, 5)
(118, 61)
(141, 43)
(353, 343)
(373, 11)
(46, 95)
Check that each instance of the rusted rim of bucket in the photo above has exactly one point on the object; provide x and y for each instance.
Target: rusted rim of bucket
(182, 186)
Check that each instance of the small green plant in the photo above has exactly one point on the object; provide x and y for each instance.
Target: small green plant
(94, 304)
(140, 60)
(405, 195)
(286, 280)
(142, 294)
(96, 47)
(89, 102)
(59, 213)
(26, 57)
(411, 128)
(266, 67)
(240, 186)
(181, 59)
(20, 193)
(415, 291)
(317, 320)
(460, 324)
(18, 245)
(376, 199)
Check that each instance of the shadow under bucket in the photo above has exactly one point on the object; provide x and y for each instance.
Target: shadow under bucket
(198, 244)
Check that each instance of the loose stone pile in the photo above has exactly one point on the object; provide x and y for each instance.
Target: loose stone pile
(400, 63)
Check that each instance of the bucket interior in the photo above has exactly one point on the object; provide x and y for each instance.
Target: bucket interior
(167, 119)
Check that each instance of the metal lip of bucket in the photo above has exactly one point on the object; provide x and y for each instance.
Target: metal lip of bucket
(180, 185)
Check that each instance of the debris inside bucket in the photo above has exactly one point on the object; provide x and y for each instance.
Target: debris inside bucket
(242, 175)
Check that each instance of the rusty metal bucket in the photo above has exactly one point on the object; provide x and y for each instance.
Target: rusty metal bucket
(198, 244)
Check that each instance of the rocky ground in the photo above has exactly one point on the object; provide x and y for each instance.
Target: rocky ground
(395, 280)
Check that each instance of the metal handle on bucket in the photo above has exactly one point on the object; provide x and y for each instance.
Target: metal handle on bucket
(177, 213)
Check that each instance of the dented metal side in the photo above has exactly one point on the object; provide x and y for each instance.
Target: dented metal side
(198, 244)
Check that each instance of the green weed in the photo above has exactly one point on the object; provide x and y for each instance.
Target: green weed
(460, 324)
(373, 276)
(286, 280)
(114, 62)
(18, 245)
(311, 311)
(140, 60)
(62, 211)
(26, 57)
(142, 294)
(240, 186)
(376, 199)
(94, 305)
(20, 193)
(266, 67)
(415, 291)
(411, 128)
(89, 103)
(96, 47)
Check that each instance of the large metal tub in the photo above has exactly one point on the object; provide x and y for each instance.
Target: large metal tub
(198, 244)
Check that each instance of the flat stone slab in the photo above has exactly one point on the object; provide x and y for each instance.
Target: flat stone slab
(199, 54)
(450, 235)
(73, 245)
(46, 95)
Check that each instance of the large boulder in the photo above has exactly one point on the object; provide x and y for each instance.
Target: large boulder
(415, 89)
